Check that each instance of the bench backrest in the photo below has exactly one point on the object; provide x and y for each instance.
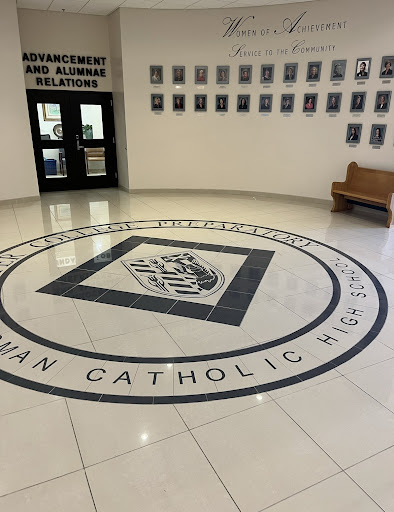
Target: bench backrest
(371, 182)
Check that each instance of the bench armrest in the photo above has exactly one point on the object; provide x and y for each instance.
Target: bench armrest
(339, 186)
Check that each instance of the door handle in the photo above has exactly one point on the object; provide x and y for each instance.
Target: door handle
(78, 144)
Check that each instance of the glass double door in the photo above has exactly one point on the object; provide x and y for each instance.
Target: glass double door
(74, 139)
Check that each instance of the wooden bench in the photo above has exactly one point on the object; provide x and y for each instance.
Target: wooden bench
(368, 186)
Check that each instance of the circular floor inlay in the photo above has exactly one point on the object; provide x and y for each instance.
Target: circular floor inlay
(180, 311)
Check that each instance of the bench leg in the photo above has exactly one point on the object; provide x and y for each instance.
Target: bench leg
(390, 220)
(340, 203)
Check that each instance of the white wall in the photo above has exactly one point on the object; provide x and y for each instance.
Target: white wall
(64, 33)
(17, 169)
(115, 29)
(296, 155)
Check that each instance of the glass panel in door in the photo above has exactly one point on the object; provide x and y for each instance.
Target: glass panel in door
(92, 122)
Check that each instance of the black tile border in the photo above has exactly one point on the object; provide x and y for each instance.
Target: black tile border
(205, 357)
(346, 356)
(255, 264)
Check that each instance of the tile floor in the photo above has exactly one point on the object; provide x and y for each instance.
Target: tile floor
(119, 397)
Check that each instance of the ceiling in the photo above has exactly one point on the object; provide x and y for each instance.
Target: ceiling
(104, 7)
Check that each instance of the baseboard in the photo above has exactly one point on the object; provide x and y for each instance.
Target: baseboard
(249, 193)
(18, 200)
(128, 190)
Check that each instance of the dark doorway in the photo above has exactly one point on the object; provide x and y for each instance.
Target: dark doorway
(74, 139)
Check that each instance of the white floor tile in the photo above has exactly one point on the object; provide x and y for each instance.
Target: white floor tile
(69, 492)
(348, 424)
(375, 475)
(171, 476)
(136, 426)
(37, 444)
(262, 456)
(274, 449)
(337, 493)
(377, 381)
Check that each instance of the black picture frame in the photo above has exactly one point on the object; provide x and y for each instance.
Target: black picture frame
(201, 75)
(353, 138)
(263, 105)
(363, 69)
(290, 73)
(338, 70)
(218, 103)
(378, 134)
(157, 102)
(334, 105)
(287, 103)
(243, 102)
(382, 101)
(245, 74)
(178, 102)
(223, 75)
(203, 103)
(156, 75)
(267, 73)
(178, 74)
(386, 68)
(310, 103)
(357, 105)
(313, 72)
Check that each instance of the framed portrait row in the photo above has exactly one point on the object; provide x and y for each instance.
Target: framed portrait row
(376, 137)
(267, 72)
(333, 102)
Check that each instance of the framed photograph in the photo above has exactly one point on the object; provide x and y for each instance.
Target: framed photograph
(338, 70)
(267, 73)
(310, 102)
(313, 72)
(178, 74)
(243, 102)
(223, 75)
(382, 102)
(290, 73)
(363, 68)
(353, 133)
(265, 104)
(358, 102)
(51, 112)
(245, 74)
(178, 102)
(156, 74)
(334, 100)
(386, 69)
(201, 75)
(287, 103)
(378, 132)
(157, 102)
(221, 103)
(200, 102)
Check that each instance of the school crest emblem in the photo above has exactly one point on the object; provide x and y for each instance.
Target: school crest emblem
(180, 274)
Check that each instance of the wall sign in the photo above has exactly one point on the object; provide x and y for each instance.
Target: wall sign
(63, 70)
(245, 27)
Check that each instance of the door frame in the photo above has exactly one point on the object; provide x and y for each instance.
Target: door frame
(77, 177)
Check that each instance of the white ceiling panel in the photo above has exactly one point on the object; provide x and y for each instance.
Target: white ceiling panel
(140, 4)
(174, 4)
(42, 5)
(100, 7)
(105, 7)
(210, 4)
(277, 2)
(67, 5)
